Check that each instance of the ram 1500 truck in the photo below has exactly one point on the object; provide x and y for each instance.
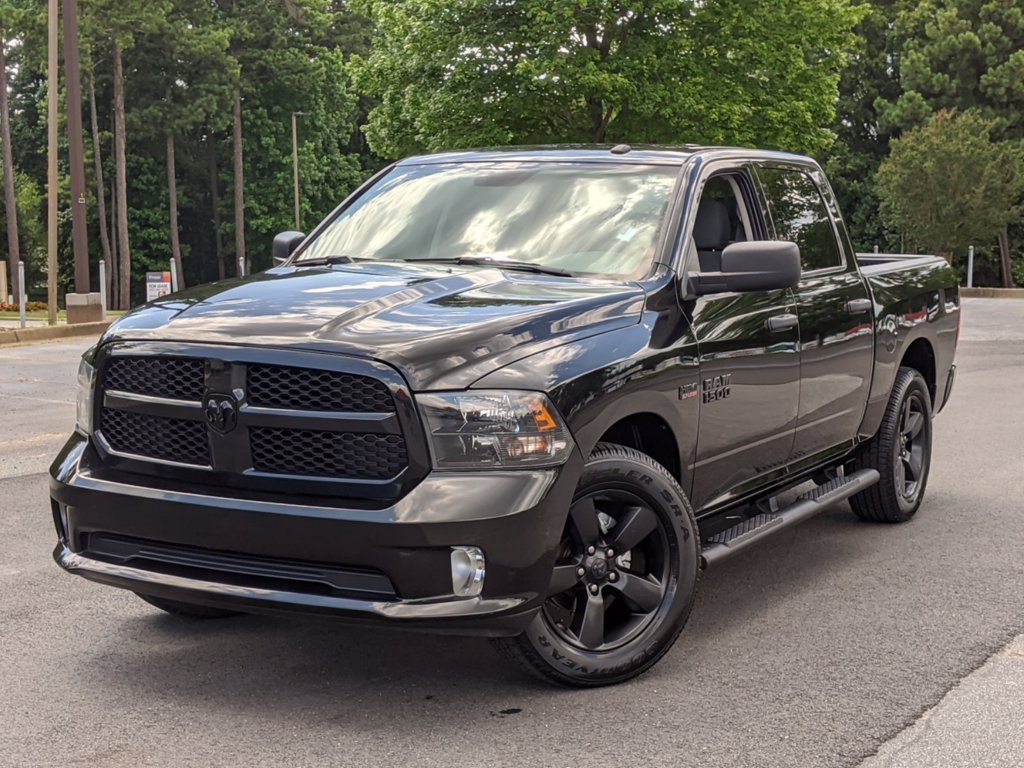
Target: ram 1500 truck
(527, 394)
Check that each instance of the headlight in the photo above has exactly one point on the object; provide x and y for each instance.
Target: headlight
(494, 429)
(83, 403)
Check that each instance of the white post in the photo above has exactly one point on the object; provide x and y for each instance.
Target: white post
(241, 266)
(21, 293)
(103, 288)
(876, 247)
(970, 267)
(174, 275)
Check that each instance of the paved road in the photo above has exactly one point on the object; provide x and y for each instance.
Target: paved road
(811, 651)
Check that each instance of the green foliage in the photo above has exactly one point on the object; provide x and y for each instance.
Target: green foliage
(457, 73)
(961, 54)
(30, 202)
(861, 141)
(947, 185)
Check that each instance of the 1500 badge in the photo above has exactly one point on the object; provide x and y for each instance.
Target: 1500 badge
(716, 388)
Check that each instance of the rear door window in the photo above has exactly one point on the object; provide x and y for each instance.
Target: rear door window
(800, 215)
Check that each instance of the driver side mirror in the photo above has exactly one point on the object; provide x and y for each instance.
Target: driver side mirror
(756, 265)
(284, 246)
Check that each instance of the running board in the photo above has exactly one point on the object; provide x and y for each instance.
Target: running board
(755, 529)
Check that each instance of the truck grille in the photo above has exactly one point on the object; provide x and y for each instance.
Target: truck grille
(249, 420)
(179, 378)
(327, 454)
(156, 437)
(306, 389)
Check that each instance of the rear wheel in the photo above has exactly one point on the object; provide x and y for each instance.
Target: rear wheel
(901, 451)
(624, 578)
(187, 610)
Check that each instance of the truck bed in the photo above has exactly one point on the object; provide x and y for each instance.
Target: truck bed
(881, 263)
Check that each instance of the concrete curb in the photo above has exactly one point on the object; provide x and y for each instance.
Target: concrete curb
(992, 293)
(29, 335)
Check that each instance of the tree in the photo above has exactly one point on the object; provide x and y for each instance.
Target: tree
(862, 140)
(100, 186)
(457, 73)
(948, 184)
(10, 201)
(114, 24)
(961, 54)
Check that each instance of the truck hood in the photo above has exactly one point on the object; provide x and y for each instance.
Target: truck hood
(441, 326)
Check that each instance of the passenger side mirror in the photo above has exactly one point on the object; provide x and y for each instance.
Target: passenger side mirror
(284, 246)
(757, 265)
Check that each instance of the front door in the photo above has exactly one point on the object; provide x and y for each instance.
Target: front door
(749, 360)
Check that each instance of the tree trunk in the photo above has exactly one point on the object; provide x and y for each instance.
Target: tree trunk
(215, 203)
(114, 301)
(10, 200)
(121, 183)
(1004, 258)
(101, 191)
(239, 193)
(172, 200)
(76, 150)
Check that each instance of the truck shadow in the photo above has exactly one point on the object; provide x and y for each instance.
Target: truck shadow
(285, 669)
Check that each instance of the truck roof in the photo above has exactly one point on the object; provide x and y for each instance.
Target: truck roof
(647, 154)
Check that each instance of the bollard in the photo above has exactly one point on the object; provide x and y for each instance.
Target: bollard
(3, 281)
(241, 266)
(876, 248)
(103, 288)
(174, 276)
(970, 267)
(21, 292)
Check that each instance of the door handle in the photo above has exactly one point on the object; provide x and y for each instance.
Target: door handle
(781, 323)
(858, 306)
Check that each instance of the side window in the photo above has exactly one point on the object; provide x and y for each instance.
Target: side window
(722, 218)
(800, 215)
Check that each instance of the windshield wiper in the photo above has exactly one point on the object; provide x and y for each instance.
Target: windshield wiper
(486, 261)
(339, 259)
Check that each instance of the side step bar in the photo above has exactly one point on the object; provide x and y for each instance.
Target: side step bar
(755, 529)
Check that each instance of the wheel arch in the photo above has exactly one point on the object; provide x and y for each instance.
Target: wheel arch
(651, 435)
(921, 357)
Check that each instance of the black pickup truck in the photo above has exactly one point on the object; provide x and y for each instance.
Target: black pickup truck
(527, 394)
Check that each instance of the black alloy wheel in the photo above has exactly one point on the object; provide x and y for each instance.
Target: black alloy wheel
(624, 577)
(914, 444)
(901, 451)
(612, 572)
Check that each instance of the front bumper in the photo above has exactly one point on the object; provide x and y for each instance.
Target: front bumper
(388, 565)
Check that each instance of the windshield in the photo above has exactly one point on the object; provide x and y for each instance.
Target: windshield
(590, 219)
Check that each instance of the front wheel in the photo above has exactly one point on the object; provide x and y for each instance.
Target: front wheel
(624, 578)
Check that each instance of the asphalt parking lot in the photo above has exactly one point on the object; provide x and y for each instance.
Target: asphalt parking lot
(810, 651)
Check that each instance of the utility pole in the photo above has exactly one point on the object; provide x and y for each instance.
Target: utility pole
(295, 167)
(51, 157)
(79, 232)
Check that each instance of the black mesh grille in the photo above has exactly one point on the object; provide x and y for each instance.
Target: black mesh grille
(180, 378)
(327, 454)
(305, 389)
(156, 436)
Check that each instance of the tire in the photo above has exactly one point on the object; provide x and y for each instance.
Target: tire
(901, 451)
(187, 610)
(627, 609)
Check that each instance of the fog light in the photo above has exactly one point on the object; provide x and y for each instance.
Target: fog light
(468, 568)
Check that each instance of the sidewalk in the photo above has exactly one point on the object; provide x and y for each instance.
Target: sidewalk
(978, 724)
(11, 332)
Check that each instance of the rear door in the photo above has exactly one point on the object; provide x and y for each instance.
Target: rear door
(749, 367)
(835, 309)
